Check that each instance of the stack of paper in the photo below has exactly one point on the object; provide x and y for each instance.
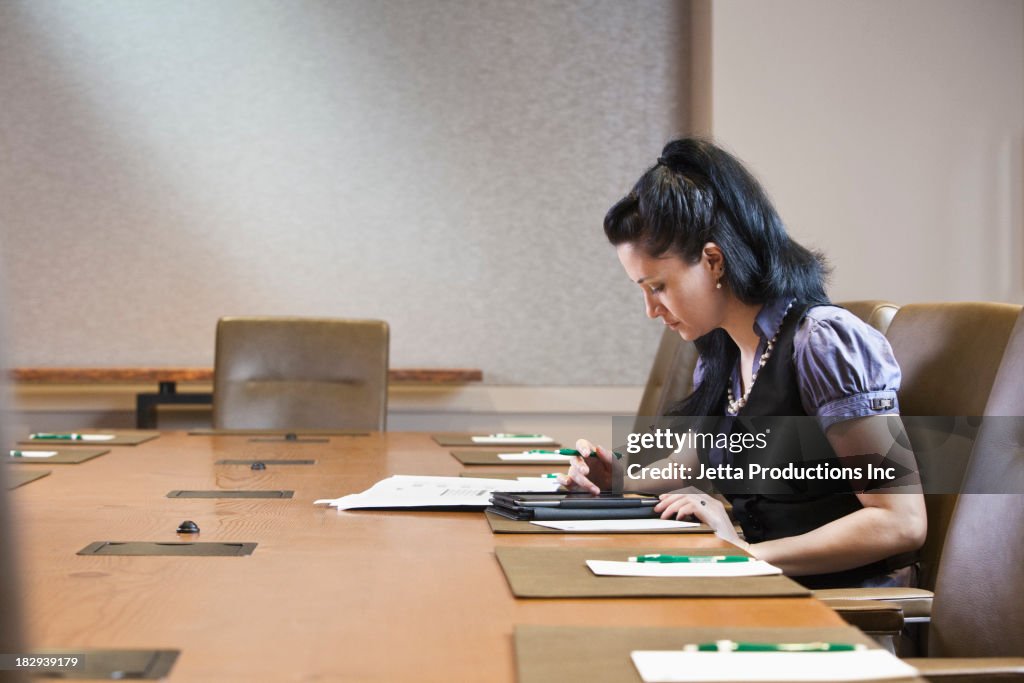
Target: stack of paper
(404, 491)
(513, 439)
(527, 456)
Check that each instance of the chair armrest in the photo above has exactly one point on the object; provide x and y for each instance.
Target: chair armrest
(915, 602)
(967, 670)
(874, 617)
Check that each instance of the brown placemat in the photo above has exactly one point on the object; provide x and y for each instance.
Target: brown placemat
(490, 457)
(555, 654)
(65, 456)
(504, 525)
(122, 437)
(463, 439)
(562, 573)
(16, 478)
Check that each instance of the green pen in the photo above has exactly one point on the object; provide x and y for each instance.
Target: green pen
(732, 646)
(16, 454)
(49, 436)
(694, 559)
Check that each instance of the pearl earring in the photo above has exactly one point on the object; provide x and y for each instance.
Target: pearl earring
(719, 285)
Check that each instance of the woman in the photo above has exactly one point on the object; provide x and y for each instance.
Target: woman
(700, 238)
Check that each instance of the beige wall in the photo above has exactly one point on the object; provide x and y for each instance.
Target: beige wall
(444, 165)
(890, 134)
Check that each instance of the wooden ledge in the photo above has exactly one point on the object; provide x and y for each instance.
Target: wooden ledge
(141, 375)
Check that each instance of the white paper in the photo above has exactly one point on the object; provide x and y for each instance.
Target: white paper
(78, 437)
(504, 440)
(687, 569)
(617, 525)
(535, 457)
(542, 482)
(657, 666)
(34, 454)
(402, 491)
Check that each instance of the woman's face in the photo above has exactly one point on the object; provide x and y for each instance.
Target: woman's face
(682, 295)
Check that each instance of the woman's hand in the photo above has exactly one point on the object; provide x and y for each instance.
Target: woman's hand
(592, 474)
(705, 508)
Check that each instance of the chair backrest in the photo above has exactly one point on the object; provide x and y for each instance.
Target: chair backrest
(878, 314)
(670, 379)
(949, 354)
(977, 608)
(300, 373)
(11, 640)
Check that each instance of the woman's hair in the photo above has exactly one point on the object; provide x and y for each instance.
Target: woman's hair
(698, 193)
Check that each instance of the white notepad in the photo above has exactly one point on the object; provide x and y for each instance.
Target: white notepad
(687, 569)
(617, 525)
(657, 666)
(513, 440)
(33, 454)
(535, 457)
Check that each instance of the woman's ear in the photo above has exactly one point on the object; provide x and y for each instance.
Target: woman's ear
(715, 259)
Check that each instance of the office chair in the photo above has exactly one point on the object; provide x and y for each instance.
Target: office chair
(949, 354)
(878, 314)
(300, 373)
(670, 379)
(977, 606)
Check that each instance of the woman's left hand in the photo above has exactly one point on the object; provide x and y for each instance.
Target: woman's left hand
(705, 508)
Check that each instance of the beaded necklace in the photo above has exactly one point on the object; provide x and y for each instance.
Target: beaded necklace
(733, 407)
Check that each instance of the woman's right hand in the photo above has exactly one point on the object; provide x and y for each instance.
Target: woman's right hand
(589, 473)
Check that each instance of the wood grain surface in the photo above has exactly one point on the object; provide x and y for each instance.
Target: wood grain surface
(327, 595)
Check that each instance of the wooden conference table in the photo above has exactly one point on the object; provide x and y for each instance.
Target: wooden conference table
(326, 595)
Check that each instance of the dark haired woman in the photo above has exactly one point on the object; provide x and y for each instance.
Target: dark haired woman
(700, 238)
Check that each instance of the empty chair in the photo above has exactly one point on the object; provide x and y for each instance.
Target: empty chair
(300, 373)
(949, 354)
(977, 608)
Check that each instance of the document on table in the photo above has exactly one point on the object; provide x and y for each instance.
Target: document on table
(42, 436)
(670, 666)
(686, 569)
(617, 525)
(535, 457)
(406, 491)
(514, 439)
(33, 454)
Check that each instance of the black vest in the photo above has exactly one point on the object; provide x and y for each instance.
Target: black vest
(771, 510)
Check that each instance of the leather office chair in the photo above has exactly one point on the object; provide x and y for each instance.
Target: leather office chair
(949, 354)
(10, 597)
(670, 379)
(878, 314)
(976, 611)
(300, 373)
